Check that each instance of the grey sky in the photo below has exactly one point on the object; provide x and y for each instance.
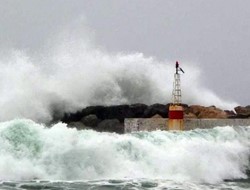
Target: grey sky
(213, 34)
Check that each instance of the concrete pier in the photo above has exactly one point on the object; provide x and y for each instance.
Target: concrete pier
(151, 124)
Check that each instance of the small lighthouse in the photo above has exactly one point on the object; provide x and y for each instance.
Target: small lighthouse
(176, 111)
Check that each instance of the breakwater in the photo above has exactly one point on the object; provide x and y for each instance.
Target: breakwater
(122, 118)
(151, 124)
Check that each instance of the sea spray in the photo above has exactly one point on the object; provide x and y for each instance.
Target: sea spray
(72, 72)
(32, 151)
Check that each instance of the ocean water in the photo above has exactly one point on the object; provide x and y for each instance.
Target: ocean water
(33, 156)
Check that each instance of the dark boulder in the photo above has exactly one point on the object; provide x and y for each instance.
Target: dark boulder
(119, 112)
(95, 110)
(230, 114)
(77, 116)
(154, 109)
(110, 125)
(77, 125)
(116, 112)
(72, 117)
(137, 110)
(248, 107)
(242, 112)
(90, 120)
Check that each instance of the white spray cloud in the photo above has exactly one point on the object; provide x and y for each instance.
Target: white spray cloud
(72, 73)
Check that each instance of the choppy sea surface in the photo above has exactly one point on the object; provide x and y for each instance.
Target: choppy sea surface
(33, 156)
(132, 184)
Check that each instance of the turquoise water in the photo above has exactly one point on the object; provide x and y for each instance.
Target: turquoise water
(33, 156)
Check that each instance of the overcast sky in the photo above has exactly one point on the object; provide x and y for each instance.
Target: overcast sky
(214, 35)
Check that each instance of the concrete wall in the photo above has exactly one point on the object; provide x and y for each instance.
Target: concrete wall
(151, 124)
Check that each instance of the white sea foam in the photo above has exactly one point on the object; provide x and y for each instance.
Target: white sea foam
(30, 151)
(72, 73)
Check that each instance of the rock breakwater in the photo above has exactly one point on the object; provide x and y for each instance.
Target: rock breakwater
(111, 118)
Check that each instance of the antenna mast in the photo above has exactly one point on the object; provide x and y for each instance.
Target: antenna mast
(176, 94)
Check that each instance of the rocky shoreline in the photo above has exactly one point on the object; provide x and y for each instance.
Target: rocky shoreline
(111, 118)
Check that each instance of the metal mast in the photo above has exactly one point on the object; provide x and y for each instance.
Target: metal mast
(176, 94)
